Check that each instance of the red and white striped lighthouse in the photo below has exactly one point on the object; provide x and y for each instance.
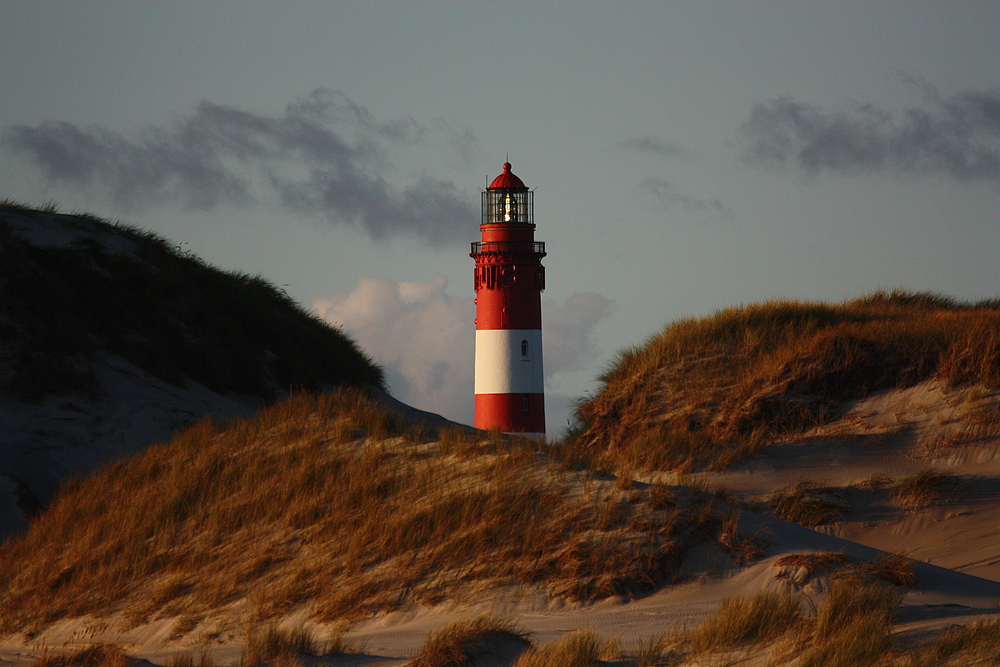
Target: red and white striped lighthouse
(509, 281)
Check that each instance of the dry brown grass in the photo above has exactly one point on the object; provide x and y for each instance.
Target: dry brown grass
(96, 655)
(302, 507)
(797, 568)
(462, 642)
(187, 660)
(750, 620)
(707, 392)
(853, 626)
(271, 643)
(973, 644)
(919, 490)
(657, 650)
(894, 569)
(583, 648)
(743, 549)
(809, 504)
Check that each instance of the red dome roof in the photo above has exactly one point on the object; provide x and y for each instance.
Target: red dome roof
(507, 180)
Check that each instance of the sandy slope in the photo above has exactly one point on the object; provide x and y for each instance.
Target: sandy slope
(898, 433)
(943, 598)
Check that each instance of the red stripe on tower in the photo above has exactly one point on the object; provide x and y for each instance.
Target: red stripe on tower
(509, 280)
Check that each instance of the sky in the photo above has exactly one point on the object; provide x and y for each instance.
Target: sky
(686, 157)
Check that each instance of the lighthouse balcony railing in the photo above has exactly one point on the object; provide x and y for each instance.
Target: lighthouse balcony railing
(536, 247)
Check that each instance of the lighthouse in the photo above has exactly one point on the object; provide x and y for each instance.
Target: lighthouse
(509, 279)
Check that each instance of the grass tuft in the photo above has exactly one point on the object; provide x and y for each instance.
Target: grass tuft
(96, 655)
(271, 643)
(744, 550)
(968, 644)
(461, 642)
(797, 568)
(895, 569)
(919, 490)
(583, 648)
(747, 621)
(853, 627)
(808, 504)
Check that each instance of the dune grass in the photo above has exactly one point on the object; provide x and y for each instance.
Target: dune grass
(96, 655)
(707, 392)
(329, 504)
(809, 504)
(893, 569)
(272, 643)
(749, 620)
(461, 642)
(853, 626)
(204, 659)
(974, 644)
(161, 308)
(919, 490)
(582, 648)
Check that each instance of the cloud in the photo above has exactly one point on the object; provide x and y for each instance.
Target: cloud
(567, 330)
(667, 194)
(325, 156)
(958, 136)
(425, 338)
(653, 146)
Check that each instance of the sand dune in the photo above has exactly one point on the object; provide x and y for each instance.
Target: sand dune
(954, 541)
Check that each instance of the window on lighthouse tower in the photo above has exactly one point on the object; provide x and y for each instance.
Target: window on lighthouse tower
(510, 209)
(524, 349)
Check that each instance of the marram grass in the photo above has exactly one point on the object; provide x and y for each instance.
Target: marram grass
(707, 392)
(328, 504)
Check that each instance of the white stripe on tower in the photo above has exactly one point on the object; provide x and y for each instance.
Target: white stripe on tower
(509, 361)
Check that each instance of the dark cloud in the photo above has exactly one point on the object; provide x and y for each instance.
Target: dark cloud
(666, 193)
(324, 156)
(958, 136)
(653, 146)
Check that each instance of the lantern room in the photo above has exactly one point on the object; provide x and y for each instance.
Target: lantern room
(507, 200)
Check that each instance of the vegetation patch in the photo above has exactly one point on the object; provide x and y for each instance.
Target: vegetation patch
(853, 627)
(329, 504)
(271, 643)
(747, 621)
(161, 308)
(919, 490)
(744, 550)
(894, 569)
(708, 392)
(583, 648)
(809, 504)
(974, 644)
(798, 568)
(462, 642)
(96, 655)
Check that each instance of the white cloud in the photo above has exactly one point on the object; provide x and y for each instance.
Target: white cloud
(425, 338)
(422, 336)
